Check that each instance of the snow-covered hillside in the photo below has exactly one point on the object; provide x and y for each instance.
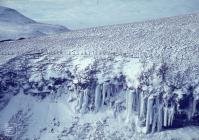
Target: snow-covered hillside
(14, 25)
(111, 82)
(77, 14)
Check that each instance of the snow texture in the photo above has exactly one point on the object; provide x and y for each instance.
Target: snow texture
(100, 98)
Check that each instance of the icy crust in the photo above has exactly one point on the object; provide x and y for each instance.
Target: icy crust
(170, 38)
(150, 100)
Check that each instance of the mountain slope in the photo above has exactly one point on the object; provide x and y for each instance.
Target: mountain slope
(111, 82)
(14, 25)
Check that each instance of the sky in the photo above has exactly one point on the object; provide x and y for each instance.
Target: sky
(78, 14)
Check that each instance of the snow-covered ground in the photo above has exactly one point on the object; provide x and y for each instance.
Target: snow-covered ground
(52, 120)
(111, 82)
(76, 14)
(14, 25)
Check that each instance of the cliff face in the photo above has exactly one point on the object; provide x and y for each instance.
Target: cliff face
(148, 95)
(146, 73)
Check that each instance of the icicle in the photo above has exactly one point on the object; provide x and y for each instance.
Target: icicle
(194, 106)
(171, 112)
(133, 100)
(97, 97)
(190, 110)
(129, 104)
(104, 91)
(80, 101)
(195, 99)
(155, 115)
(160, 117)
(143, 108)
(85, 100)
(77, 92)
(165, 116)
(112, 88)
(172, 116)
(117, 86)
(169, 116)
(149, 114)
(137, 102)
(155, 119)
(108, 92)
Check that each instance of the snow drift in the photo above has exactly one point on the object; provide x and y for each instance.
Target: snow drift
(144, 74)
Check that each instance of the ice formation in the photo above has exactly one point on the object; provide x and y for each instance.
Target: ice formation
(154, 107)
(152, 81)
